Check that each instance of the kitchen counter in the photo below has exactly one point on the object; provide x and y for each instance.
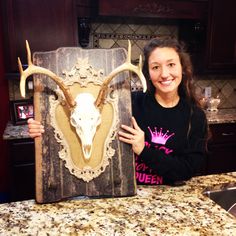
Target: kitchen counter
(160, 210)
(220, 116)
(15, 131)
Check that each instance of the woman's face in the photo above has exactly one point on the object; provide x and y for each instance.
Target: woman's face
(165, 70)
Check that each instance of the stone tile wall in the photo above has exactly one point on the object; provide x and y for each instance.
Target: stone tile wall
(116, 35)
(104, 35)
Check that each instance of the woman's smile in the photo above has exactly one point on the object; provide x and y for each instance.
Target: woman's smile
(166, 82)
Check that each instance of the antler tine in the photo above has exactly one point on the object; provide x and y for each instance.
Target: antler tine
(140, 63)
(126, 66)
(32, 69)
(22, 78)
(28, 53)
(20, 65)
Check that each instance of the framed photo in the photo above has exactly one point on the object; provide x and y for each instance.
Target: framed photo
(21, 111)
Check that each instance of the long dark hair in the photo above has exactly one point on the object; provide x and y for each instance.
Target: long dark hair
(186, 87)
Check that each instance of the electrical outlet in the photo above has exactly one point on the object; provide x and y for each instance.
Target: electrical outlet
(207, 92)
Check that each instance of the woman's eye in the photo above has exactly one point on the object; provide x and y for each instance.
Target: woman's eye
(155, 67)
(171, 64)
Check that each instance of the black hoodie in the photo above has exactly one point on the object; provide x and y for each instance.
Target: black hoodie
(175, 140)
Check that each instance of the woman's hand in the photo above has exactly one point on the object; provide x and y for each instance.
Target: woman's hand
(135, 136)
(35, 128)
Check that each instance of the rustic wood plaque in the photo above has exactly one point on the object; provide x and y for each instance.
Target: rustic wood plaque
(61, 171)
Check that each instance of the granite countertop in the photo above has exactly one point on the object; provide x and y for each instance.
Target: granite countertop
(15, 131)
(159, 210)
(220, 116)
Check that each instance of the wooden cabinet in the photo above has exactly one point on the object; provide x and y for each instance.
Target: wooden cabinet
(87, 8)
(47, 25)
(222, 149)
(207, 27)
(193, 34)
(22, 169)
(154, 8)
(221, 41)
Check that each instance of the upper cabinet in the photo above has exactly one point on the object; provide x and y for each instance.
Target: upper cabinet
(154, 8)
(47, 25)
(221, 37)
(207, 26)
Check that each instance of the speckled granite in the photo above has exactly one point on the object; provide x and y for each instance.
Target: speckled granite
(221, 116)
(161, 210)
(15, 131)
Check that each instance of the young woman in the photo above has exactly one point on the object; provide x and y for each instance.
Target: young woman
(169, 129)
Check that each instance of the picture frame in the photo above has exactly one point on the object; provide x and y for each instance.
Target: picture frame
(21, 111)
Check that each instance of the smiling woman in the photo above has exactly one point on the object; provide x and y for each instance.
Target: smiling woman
(169, 130)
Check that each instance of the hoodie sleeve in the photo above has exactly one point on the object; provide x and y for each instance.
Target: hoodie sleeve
(189, 162)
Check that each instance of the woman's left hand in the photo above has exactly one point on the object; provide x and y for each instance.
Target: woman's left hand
(135, 136)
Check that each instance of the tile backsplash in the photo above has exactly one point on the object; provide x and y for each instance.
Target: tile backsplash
(14, 90)
(105, 35)
(222, 86)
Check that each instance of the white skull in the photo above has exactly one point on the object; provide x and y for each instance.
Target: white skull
(85, 118)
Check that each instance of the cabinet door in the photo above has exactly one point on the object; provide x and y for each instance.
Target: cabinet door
(165, 9)
(222, 148)
(221, 158)
(23, 182)
(47, 25)
(221, 49)
(22, 178)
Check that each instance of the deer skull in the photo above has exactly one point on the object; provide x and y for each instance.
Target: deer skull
(85, 109)
(85, 118)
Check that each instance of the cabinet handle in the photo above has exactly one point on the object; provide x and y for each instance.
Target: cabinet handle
(228, 134)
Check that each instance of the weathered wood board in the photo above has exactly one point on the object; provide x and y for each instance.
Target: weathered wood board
(54, 182)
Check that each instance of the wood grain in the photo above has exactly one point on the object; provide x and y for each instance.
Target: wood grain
(54, 182)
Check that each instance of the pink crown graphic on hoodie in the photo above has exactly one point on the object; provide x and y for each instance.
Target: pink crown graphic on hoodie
(144, 174)
(160, 137)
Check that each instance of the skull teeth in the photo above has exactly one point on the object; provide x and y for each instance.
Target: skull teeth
(87, 151)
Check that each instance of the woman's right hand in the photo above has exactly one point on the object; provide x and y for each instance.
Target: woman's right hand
(134, 136)
(35, 128)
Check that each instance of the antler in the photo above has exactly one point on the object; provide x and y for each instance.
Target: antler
(126, 66)
(32, 69)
